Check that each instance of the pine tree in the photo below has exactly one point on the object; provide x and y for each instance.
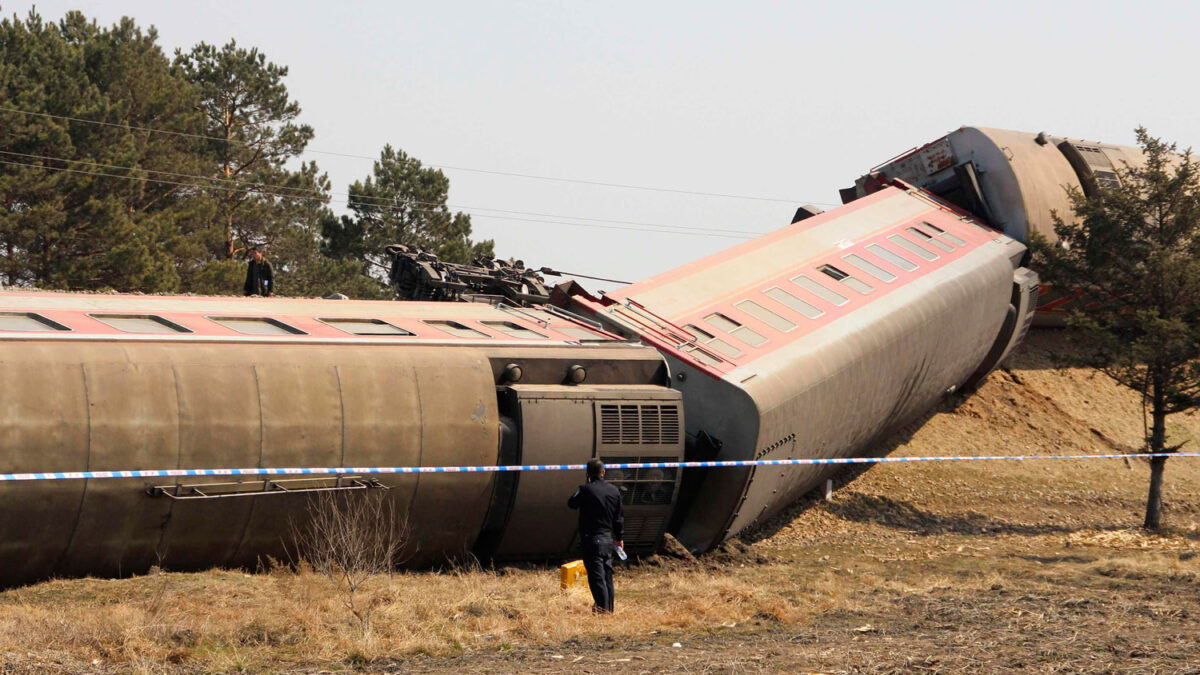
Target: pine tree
(253, 122)
(402, 202)
(1134, 255)
(84, 205)
(93, 194)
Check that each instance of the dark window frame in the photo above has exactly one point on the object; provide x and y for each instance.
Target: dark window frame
(944, 234)
(875, 248)
(162, 321)
(332, 322)
(869, 268)
(287, 328)
(51, 325)
(819, 290)
(793, 298)
(748, 334)
(458, 326)
(770, 323)
(490, 324)
(933, 240)
(913, 247)
(846, 279)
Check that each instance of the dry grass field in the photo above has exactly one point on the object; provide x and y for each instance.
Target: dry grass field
(941, 567)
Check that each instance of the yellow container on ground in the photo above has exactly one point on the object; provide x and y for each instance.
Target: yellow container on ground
(572, 574)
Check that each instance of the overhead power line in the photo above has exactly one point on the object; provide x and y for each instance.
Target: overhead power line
(241, 186)
(349, 200)
(492, 172)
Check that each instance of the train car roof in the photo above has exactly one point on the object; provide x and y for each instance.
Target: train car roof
(729, 272)
(31, 314)
(729, 309)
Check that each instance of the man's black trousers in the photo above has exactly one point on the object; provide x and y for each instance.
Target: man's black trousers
(598, 561)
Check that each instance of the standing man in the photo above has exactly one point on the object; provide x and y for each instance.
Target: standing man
(601, 527)
(260, 278)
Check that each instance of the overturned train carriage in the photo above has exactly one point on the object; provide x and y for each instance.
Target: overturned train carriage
(91, 382)
(819, 339)
(1014, 181)
(812, 341)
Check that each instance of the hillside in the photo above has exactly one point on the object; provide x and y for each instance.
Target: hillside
(948, 567)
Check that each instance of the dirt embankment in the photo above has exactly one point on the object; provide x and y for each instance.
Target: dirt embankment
(942, 567)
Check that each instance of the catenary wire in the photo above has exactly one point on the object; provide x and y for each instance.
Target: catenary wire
(364, 200)
(349, 201)
(511, 174)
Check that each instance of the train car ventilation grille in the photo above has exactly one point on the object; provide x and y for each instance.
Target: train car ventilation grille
(645, 424)
(643, 487)
(643, 530)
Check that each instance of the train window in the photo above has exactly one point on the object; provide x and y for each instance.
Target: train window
(928, 238)
(456, 329)
(582, 334)
(869, 267)
(765, 315)
(140, 323)
(365, 326)
(915, 249)
(792, 302)
(897, 260)
(707, 338)
(737, 330)
(701, 355)
(944, 234)
(515, 330)
(256, 325)
(27, 321)
(819, 290)
(851, 282)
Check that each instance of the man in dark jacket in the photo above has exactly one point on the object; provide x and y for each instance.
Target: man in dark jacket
(260, 278)
(601, 528)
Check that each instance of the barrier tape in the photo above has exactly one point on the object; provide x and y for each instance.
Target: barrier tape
(347, 470)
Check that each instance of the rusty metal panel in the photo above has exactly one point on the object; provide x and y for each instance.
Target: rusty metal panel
(566, 424)
(133, 421)
(917, 166)
(1022, 180)
(301, 426)
(219, 423)
(458, 400)
(383, 422)
(43, 412)
(724, 410)
(556, 428)
(112, 405)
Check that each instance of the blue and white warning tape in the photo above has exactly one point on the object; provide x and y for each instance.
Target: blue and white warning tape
(349, 470)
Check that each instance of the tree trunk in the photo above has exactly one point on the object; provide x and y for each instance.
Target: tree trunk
(1154, 500)
(227, 168)
(229, 250)
(1158, 441)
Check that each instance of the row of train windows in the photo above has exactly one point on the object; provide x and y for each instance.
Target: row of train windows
(931, 235)
(149, 323)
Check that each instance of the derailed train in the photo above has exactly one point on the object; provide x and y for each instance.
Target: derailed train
(1014, 181)
(813, 341)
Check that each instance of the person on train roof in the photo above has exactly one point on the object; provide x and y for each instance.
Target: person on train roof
(260, 277)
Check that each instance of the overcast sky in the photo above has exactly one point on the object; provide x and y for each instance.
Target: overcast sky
(785, 100)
